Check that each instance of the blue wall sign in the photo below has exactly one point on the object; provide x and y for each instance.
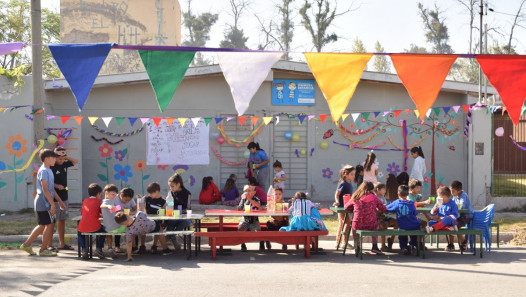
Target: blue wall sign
(293, 92)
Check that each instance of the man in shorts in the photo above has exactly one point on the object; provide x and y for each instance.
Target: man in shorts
(60, 173)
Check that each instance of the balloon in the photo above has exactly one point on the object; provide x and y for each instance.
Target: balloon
(246, 154)
(499, 131)
(52, 139)
(214, 134)
(295, 137)
(288, 135)
(303, 152)
(61, 141)
(324, 145)
(220, 139)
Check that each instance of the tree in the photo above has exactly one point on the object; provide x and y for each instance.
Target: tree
(280, 34)
(234, 37)
(415, 49)
(470, 6)
(381, 63)
(323, 17)
(15, 27)
(436, 31)
(358, 46)
(198, 27)
(518, 18)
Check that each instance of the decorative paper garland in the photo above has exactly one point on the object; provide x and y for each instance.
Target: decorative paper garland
(40, 146)
(118, 134)
(105, 139)
(374, 147)
(516, 144)
(359, 132)
(409, 147)
(240, 143)
(362, 141)
(229, 163)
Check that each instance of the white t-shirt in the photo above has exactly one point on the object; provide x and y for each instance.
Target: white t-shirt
(419, 169)
(279, 175)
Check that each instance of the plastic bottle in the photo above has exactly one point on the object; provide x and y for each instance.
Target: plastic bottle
(169, 205)
(271, 199)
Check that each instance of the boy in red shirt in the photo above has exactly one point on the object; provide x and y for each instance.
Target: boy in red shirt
(89, 222)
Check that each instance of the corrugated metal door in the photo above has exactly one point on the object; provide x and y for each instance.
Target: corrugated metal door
(288, 152)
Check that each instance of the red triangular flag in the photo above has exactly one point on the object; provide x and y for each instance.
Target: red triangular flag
(466, 108)
(170, 121)
(78, 119)
(323, 117)
(157, 121)
(64, 119)
(397, 112)
(423, 76)
(242, 120)
(507, 74)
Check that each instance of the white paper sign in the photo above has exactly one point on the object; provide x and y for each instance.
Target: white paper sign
(177, 145)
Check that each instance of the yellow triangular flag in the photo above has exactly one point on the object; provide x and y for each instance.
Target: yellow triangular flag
(337, 76)
(344, 116)
(92, 120)
(417, 113)
(267, 120)
(182, 121)
(78, 120)
(254, 120)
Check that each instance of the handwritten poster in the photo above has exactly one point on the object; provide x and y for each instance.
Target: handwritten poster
(177, 145)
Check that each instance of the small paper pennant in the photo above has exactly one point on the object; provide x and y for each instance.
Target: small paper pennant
(397, 113)
(92, 120)
(254, 120)
(50, 117)
(78, 120)
(344, 116)
(277, 120)
(408, 111)
(466, 108)
(365, 115)
(446, 109)
(107, 121)
(195, 121)
(417, 113)
(144, 120)
(64, 119)
(376, 114)
(311, 116)
(456, 108)
(119, 120)
(228, 119)
(242, 120)
(267, 120)
(436, 110)
(355, 116)
(218, 120)
(170, 121)
(428, 113)
(386, 113)
(301, 118)
(156, 121)
(323, 117)
(132, 121)
(182, 121)
(207, 121)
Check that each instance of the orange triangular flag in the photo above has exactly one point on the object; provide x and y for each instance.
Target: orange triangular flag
(337, 76)
(255, 120)
(397, 113)
(64, 119)
(78, 120)
(323, 117)
(242, 120)
(157, 121)
(170, 121)
(466, 109)
(507, 74)
(422, 76)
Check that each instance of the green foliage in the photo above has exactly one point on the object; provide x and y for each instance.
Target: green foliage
(415, 49)
(103, 164)
(323, 18)
(381, 63)
(15, 75)
(146, 177)
(358, 46)
(436, 31)
(198, 27)
(234, 38)
(286, 27)
(2, 184)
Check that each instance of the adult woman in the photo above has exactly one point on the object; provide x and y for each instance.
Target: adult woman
(258, 162)
(419, 167)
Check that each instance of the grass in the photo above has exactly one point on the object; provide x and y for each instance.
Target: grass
(25, 226)
(509, 185)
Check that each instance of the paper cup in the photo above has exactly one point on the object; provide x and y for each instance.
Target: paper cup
(440, 201)
(161, 212)
(247, 208)
(459, 205)
(169, 212)
(176, 213)
(188, 212)
(127, 211)
(279, 206)
(285, 207)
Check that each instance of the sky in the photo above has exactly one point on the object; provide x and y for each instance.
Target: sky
(395, 24)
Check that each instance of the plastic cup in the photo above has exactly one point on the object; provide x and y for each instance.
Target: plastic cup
(176, 213)
(188, 212)
(126, 211)
(285, 207)
(459, 205)
(161, 212)
(440, 201)
(169, 212)
(432, 199)
(247, 208)
(279, 207)
(180, 208)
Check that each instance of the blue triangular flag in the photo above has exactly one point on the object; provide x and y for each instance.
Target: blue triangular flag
(377, 113)
(80, 64)
(218, 120)
(301, 117)
(446, 109)
(132, 121)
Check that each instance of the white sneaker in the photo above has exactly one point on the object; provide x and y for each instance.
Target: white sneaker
(429, 229)
(453, 228)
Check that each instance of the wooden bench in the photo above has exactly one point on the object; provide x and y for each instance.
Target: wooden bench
(304, 238)
(186, 234)
(420, 234)
(214, 227)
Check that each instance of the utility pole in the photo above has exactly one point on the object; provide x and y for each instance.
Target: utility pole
(480, 48)
(36, 59)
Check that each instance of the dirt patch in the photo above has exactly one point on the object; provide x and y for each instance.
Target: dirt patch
(520, 238)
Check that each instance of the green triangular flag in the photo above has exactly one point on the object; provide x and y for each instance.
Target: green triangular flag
(165, 70)
(365, 115)
(207, 120)
(119, 120)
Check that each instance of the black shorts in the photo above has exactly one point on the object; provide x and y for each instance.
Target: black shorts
(157, 226)
(45, 218)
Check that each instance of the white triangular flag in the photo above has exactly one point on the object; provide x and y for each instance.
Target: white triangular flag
(355, 116)
(196, 121)
(428, 113)
(244, 73)
(144, 120)
(107, 120)
(277, 120)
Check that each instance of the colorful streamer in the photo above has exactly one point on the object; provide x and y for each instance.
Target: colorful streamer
(409, 147)
(404, 125)
(517, 145)
(40, 146)
(361, 141)
(240, 143)
(105, 139)
(374, 147)
(118, 134)
(359, 132)
(229, 163)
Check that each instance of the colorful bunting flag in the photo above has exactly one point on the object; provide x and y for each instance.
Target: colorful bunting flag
(456, 108)
(169, 121)
(80, 64)
(423, 76)
(207, 121)
(446, 109)
(64, 119)
(244, 73)
(267, 120)
(386, 112)
(132, 121)
(376, 114)
(344, 116)
(277, 120)
(417, 113)
(78, 120)
(157, 121)
(119, 120)
(182, 121)
(323, 117)
(107, 121)
(11, 47)
(355, 116)
(365, 115)
(255, 120)
(242, 120)
(166, 70)
(337, 76)
(144, 120)
(507, 74)
(195, 121)
(466, 108)
(92, 120)
(228, 119)
(311, 116)
(397, 113)
(218, 120)
(301, 118)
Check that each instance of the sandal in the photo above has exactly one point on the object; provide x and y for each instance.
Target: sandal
(66, 247)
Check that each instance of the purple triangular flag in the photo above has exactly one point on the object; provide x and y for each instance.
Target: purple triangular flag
(11, 47)
(80, 64)
(144, 120)
(229, 118)
(132, 121)
(311, 116)
(456, 108)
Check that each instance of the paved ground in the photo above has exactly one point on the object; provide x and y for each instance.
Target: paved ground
(500, 273)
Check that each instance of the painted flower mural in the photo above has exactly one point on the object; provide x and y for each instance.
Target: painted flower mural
(327, 173)
(16, 145)
(120, 155)
(393, 168)
(162, 167)
(122, 173)
(105, 151)
(140, 165)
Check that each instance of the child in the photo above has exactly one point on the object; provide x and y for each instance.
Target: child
(126, 201)
(344, 188)
(419, 167)
(279, 175)
(305, 215)
(181, 196)
(358, 176)
(109, 208)
(384, 221)
(276, 222)
(370, 168)
(406, 217)
(251, 223)
(45, 208)
(403, 178)
(415, 190)
(89, 222)
(209, 192)
(364, 203)
(230, 194)
(154, 202)
(259, 164)
(141, 225)
(461, 198)
(260, 193)
(391, 187)
(445, 215)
